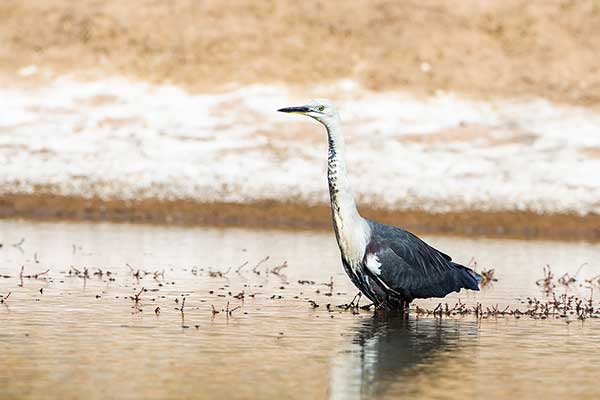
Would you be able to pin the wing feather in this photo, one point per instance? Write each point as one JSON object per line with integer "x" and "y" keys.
{"x": 414, "y": 269}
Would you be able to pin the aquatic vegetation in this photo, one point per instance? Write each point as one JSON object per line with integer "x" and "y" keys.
{"x": 557, "y": 307}
{"x": 554, "y": 305}
{"x": 4, "y": 298}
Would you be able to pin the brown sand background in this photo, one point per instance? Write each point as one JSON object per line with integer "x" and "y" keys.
{"x": 548, "y": 48}
{"x": 481, "y": 48}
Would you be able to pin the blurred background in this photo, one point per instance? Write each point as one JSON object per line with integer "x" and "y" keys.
{"x": 477, "y": 116}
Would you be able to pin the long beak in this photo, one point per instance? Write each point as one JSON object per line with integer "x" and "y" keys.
{"x": 295, "y": 110}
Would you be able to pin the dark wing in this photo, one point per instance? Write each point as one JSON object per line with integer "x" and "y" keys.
{"x": 412, "y": 268}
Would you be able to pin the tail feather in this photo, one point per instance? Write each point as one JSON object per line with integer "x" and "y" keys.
{"x": 470, "y": 279}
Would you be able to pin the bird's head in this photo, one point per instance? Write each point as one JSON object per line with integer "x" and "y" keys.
{"x": 322, "y": 110}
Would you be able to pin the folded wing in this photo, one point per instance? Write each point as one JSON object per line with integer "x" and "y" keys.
{"x": 405, "y": 264}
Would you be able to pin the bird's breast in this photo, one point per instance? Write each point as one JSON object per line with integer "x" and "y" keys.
{"x": 351, "y": 238}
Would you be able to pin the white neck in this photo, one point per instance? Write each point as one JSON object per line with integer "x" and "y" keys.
{"x": 351, "y": 230}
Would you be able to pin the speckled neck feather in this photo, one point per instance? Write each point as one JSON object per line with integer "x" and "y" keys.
{"x": 352, "y": 231}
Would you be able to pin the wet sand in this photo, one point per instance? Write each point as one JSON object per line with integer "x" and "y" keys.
{"x": 69, "y": 336}
{"x": 525, "y": 225}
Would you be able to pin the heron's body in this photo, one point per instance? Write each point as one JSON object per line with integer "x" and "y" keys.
{"x": 389, "y": 265}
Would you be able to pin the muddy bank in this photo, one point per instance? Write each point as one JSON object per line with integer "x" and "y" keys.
{"x": 295, "y": 215}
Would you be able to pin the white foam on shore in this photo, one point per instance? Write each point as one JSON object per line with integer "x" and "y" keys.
{"x": 121, "y": 139}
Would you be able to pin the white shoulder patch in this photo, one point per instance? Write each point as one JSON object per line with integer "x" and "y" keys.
{"x": 373, "y": 264}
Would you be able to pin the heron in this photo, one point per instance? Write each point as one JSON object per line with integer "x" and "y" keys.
{"x": 389, "y": 265}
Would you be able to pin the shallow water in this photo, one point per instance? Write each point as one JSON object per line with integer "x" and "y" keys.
{"x": 86, "y": 338}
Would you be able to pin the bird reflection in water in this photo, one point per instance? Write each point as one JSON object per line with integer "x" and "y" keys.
{"x": 388, "y": 349}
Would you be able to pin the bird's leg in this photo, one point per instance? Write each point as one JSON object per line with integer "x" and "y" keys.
{"x": 405, "y": 306}
{"x": 379, "y": 307}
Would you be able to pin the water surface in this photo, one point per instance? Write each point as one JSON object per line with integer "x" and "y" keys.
{"x": 66, "y": 336}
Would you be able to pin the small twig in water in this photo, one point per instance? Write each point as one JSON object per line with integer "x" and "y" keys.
{"x": 39, "y": 275}
{"x": 353, "y": 305}
{"x": 240, "y": 295}
{"x": 487, "y": 277}
{"x": 136, "y": 273}
{"x": 277, "y": 270}
{"x": 594, "y": 280}
{"x": 136, "y": 297}
{"x": 258, "y": 264}
{"x": 566, "y": 279}
{"x": 546, "y": 281}
{"x": 4, "y": 298}
{"x": 233, "y": 309}
{"x": 239, "y": 269}
{"x": 182, "y": 305}
{"x": 157, "y": 274}
{"x": 579, "y": 269}
{"x": 215, "y": 274}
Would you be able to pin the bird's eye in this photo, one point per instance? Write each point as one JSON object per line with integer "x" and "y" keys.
{"x": 321, "y": 108}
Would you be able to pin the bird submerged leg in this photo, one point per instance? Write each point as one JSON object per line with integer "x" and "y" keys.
{"x": 394, "y": 305}
{"x": 379, "y": 307}
{"x": 405, "y": 306}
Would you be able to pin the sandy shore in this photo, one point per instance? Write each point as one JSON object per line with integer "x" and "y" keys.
{"x": 477, "y": 47}
{"x": 477, "y": 117}
{"x": 444, "y": 163}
